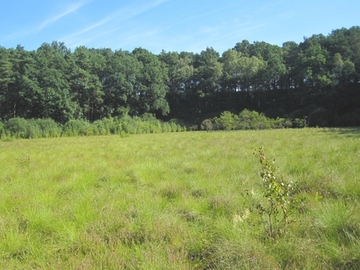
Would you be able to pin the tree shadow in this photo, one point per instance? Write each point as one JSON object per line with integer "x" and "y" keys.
{"x": 353, "y": 132}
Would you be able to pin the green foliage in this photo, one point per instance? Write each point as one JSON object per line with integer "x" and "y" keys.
{"x": 279, "y": 195}
{"x": 249, "y": 120}
{"x": 253, "y": 120}
{"x": 317, "y": 79}
{"x": 299, "y": 123}
{"x": 32, "y": 128}
{"x": 151, "y": 87}
{"x": 17, "y": 127}
{"x": 207, "y": 124}
{"x": 2, "y": 130}
{"x": 77, "y": 128}
{"x": 46, "y": 128}
{"x": 241, "y": 70}
{"x": 226, "y": 121}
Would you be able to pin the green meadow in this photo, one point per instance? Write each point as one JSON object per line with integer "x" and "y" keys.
{"x": 178, "y": 201}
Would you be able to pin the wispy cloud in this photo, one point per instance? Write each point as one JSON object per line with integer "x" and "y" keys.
{"x": 49, "y": 21}
{"x": 70, "y": 9}
{"x": 113, "y": 22}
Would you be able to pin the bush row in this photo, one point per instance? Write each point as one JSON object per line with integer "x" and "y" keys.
{"x": 249, "y": 120}
{"x": 45, "y": 128}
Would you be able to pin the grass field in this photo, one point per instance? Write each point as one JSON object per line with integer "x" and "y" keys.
{"x": 178, "y": 201}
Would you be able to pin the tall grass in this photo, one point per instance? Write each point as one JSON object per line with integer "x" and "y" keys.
{"x": 177, "y": 201}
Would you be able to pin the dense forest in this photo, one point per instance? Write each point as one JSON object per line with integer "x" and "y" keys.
{"x": 317, "y": 80}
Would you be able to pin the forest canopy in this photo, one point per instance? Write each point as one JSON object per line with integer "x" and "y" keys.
{"x": 317, "y": 79}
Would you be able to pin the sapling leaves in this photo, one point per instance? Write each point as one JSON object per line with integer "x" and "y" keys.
{"x": 278, "y": 192}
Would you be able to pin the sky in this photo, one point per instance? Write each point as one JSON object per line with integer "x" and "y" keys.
{"x": 170, "y": 25}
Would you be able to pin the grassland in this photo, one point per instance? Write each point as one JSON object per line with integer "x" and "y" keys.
{"x": 173, "y": 201}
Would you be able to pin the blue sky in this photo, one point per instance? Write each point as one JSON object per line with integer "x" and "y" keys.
{"x": 172, "y": 25}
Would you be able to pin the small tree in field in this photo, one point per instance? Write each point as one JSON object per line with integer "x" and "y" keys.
{"x": 226, "y": 121}
{"x": 278, "y": 195}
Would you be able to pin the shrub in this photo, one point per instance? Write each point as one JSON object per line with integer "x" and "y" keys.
{"x": 177, "y": 125}
{"x": 166, "y": 127}
{"x": 33, "y": 130}
{"x": 101, "y": 127}
{"x": 42, "y": 128}
{"x": 173, "y": 127}
{"x": 249, "y": 120}
{"x": 2, "y": 130}
{"x": 76, "y": 128}
{"x": 17, "y": 127}
{"x": 299, "y": 122}
{"x": 128, "y": 124}
{"x": 226, "y": 121}
{"x": 278, "y": 195}
{"x": 114, "y": 125}
{"x": 207, "y": 125}
{"x": 47, "y": 127}
{"x": 253, "y": 120}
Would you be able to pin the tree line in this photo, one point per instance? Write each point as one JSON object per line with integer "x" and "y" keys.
{"x": 317, "y": 80}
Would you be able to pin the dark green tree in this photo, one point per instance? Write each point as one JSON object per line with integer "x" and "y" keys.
{"x": 6, "y": 77}
{"x": 205, "y": 84}
{"x": 86, "y": 87}
{"x": 52, "y": 98}
{"x": 151, "y": 85}
{"x": 119, "y": 82}
{"x": 20, "y": 92}
{"x": 180, "y": 71}
{"x": 242, "y": 71}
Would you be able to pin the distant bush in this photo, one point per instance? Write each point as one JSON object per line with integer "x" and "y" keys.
{"x": 17, "y": 127}
{"x": 31, "y": 128}
{"x": 77, "y": 128}
{"x": 299, "y": 123}
{"x": 45, "y": 128}
{"x": 249, "y": 120}
{"x": 130, "y": 124}
{"x": 2, "y": 130}
{"x": 99, "y": 127}
{"x": 226, "y": 121}
{"x": 115, "y": 126}
{"x": 177, "y": 125}
{"x": 255, "y": 120}
{"x": 208, "y": 124}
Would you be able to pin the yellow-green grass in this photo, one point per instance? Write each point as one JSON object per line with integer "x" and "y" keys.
{"x": 173, "y": 201}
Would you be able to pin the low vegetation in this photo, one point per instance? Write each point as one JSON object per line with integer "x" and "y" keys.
{"x": 181, "y": 200}
{"x": 47, "y": 128}
{"x": 247, "y": 119}
{"x": 21, "y": 128}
